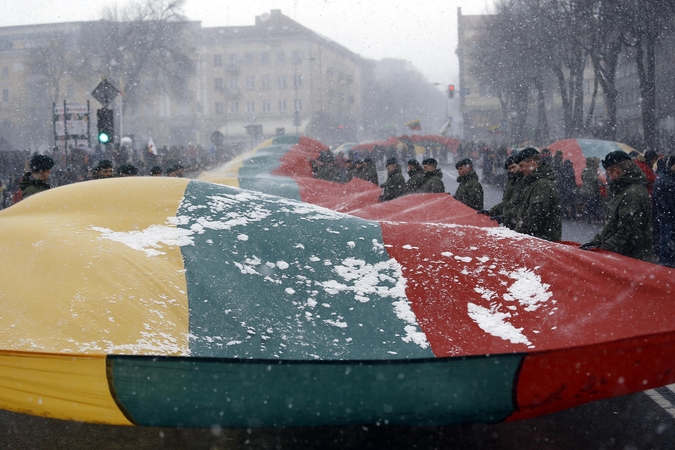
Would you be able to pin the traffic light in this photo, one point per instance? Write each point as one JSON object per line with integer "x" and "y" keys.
{"x": 105, "y": 119}
{"x": 451, "y": 91}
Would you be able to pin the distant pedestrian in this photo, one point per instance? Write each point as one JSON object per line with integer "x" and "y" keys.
{"x": 663, "y": 202}
{"x": 36, "y": 180}
{"x": 469, "y": 191}
{"x": 395, "y": 185}
{"x": 368, "y": 172}
{"x": 628, "y": 230}
{"x": 590, "y": 191}
{"x": 433, "y": 182}
{"x": 646, "y": 163}
{"x": 538, "y": 211}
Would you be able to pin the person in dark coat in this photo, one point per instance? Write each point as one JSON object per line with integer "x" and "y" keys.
{"x": 433, "y": 182}
{"x": 36, "y": 180}
{"x": 367, "y": 171}
{"x": 415, "y": 177}
{"x": 395, "y": 185}
{"x": 538, "y": 211}
{"x": 505, "y": 211}
{"x": 663, "y": 202}
{"x": 590, "y": 190}
{"x": 469, "y": 191}
{"x": 628, "y": 230}
{"x": 324, "y": 168}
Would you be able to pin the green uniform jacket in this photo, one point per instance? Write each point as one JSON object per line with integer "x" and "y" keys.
{"x": 628, "y": 230}
{"x": 394, "y": 186}
{"x": 30, "y": 186}
{"x": 415, "y": 181}
{"x": 469, "y": 191}
{"x": 538, "y": 211}
{"x": 508, "y": 207}
{"x": 433, "y": 182}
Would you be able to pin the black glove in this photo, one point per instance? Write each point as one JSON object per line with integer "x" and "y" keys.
{"x": 483, "y": 211}
{"x": 588, "y": 246}
{"x": 498, "y": 219}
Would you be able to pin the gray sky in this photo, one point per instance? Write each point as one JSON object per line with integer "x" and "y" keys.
{"x": 423, "y": 32}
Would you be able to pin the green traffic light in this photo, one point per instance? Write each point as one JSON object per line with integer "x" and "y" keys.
{"x": 103, "y": 138}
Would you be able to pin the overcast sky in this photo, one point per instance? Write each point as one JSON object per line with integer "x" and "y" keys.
{"x": 423, "y": 32}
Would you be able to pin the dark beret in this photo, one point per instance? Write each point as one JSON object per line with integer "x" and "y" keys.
{"x": 464, "y": 162}
{"x": 39, "y": 163}
{"x": 615, "y": 157}
{"x": 391, "y": 161}
{"x": 510, "y": 160}
{"x": 526, "y": 153}
{"x": 413, "y": 162}
{"x": 431, "y": 161}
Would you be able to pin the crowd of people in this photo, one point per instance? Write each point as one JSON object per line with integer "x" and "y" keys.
{"x": 25, "y": 174}
{"x": 636, "y": 206}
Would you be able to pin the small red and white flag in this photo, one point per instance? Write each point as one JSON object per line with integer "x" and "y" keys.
{"x": 151, "y": 147}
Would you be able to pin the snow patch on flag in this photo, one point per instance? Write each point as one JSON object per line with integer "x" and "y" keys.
{"x": 494, "y": 323}
{"x": 149, "y": 240}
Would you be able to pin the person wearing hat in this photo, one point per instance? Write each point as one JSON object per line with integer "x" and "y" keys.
{"x": 504, "y": 212}
{"x": 104, "y": 169}
{"x": 628, "y": 229}
{"x": 175, "y": 171}
{"x": 433, "y": 182}
{"x": 36, "y": 180}
{"x": 324, "y": 168}
{"x": 663, "y": 203}
{"x": 415, "y": 177}
{"x": 469, "y": 191}
{"x": 395, "y": 184}
{"x": 127, "y": 170}
{"x": 156, "y": 171}
{"x": 367, "y": 171}
{"x": 538, "y": 209}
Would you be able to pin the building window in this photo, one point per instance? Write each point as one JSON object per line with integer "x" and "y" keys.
{"x": 70, "y": 92}
{"x": 281, "y": 57}
{"x": 281, "y": 81}
{"x": 297, "y": 80}
{"x": 219, "y": 108}
{"x": 218, "y": 84}
{"x": 265, "y": 82}
{"x": 250, "y": 82}
{"x": 298, "y": 104}
{"x": 234, "y": 83}
{"x": 297, "y": 56}
{"x": 234, "y": 60}
{"x": 282, "y": 105}
{"x": 266, "y": 106}
{"x": 5, "y": 72}
{"x": 234, "y": 107}
{"x": 217, "y": 60}
{"x": 264, "y": 58}
{"x": 250, "y": 106}
{"x": 249, "y": 58}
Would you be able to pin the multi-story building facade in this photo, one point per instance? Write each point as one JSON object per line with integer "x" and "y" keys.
{"x": 276, "y": 74}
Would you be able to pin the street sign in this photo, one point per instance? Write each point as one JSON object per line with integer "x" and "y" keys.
{"x": 105, "y": 92}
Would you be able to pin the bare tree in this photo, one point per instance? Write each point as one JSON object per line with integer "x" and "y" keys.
{"x": 147, "y": 40}
{"x": 645, "y": 21}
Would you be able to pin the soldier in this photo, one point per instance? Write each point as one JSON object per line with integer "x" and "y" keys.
{"x": 469, "y": 191}
{"x": 37, "y": 179}
{"x": 395, "y": 184}
{"x": 538, "y": 211}
{"x": 416, "y": 177}
{"x": 433, "y": 182}
{"x": 628, "y": 230}
{"x": 505, "y": 211}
